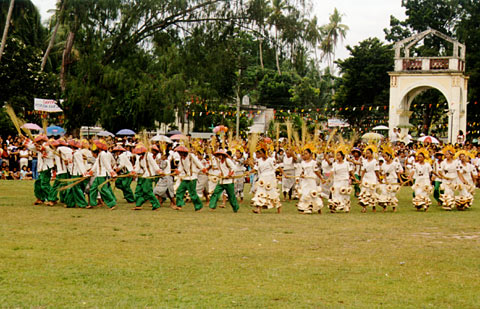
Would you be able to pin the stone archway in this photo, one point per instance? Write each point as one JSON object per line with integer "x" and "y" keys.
{"x": 412, "y": 76}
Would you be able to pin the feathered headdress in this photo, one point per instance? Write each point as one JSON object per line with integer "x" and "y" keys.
{"x": 311, "y": 145}
{"x": 387, "y": 149}
{"x": 372, "y": 148}
{"x": 235, "y": 146}
{"x": 464, "y": 152}
{"x": 449, "y": 148}
{"x": 342, "y": 148}
{"x": 262, "y": 145}
{"x": 423, "y": 151}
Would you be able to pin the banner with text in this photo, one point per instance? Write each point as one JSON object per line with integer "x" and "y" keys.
{"x": 49, "y": 106}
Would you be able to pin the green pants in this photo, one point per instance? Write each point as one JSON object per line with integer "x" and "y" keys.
{"x": 124, "y": 184}
{"x": 144, "y": 192}
{"x": 76, "y": 197}
{"x": 437, "y": 191}
{"x": 105, "y": 192}
{"x": 42, "y": 186}
{"x": 57, "y": 184}
{"x": 191, "y": 186}
{"x": 356, "y": 186}
{"x": 217, "y": 193}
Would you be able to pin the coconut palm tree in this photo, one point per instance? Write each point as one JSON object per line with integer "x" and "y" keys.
{"x": 333, "y": 32}
{"x": 276, "y": 20}
{"x": 58, "y": 17}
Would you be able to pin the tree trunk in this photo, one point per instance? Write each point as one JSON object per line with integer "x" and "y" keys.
{"x": 52, "y": 39}
{"x": 261, "y": 53}
{"x": 277, "y": 61}
{"x": 66, "y": 60}
{"x": 7, "y": 25}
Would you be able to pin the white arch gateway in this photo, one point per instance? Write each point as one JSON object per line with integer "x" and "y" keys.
{"x": 414, "y": 75}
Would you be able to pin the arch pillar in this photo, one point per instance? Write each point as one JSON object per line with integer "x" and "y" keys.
{"x": 405, "y": 86}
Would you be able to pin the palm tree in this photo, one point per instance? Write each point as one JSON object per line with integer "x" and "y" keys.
{"x": 313, "y": 34}
{"x": 260, "y": 10}
{"x": 59, "y": 14}
{"x": 7, "y": 25}
{"x": 276, "y": 20}
{"x": 333, "y": 31}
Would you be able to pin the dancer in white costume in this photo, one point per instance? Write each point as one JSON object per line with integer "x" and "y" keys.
{"x": 288, "y": 179}
{"x": 310, "y": 200}
{"x": 266, "y": 193}
{"x": 448, "y": 173}
{"x": 342, "y": 172}
{"x": 421, "y": 174}
{"x": 390, "y": 171}
{"x": 326, "y": 165}
{"x": 369, "y": 175}
{"x": 467, "y": 174}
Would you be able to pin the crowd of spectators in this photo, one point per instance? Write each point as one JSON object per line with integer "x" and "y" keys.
{"x": 16, "y": 162}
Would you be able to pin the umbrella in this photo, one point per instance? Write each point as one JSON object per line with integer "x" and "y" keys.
{"x": 161, "y": 138}
{"x": 32, "y": 126}
{"x": 177, "y": 137}
{"x": 55, "y": 130}
{"x": 105, "y": 133}
{"x": 382, "y": 127}
{"x": 174, "y": 132}
{"x": 125, "y": 132}
{"x": 428, "y": 139}
{"x": 220, "y": 128}
{"x": 372, "y": 136}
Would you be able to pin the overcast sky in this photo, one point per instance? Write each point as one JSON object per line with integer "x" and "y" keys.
{"x": 365, "y": 18}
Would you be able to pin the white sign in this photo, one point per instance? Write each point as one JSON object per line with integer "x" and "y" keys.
{"x": 246, "y": 100}
{"x": 337, "y": 123}
{"x": 49, "y": 106}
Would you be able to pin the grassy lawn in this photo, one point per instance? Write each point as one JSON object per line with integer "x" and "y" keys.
{"x": 56, "y": 257}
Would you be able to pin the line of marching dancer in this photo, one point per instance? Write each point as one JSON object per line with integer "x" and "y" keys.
{"x": 86, "y": 173}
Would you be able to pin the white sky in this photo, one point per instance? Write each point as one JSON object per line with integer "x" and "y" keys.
{"x": 365, "y": 18}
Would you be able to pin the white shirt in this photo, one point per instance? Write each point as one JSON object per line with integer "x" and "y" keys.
{"x": 225, "y": 168}
{"x": 390, "y": 171}
{"x": 124, "y": 163}
{"x": 147, "y": 165}
{"x": 79, "y": 167}
{"x": 103, "y": 165}
{"x": 266, "y": 168}
{"x": 186, "y": 167}
{"x": 326, "y": 168}
{"x": 370, "y": 167}
{"x": 341, "y": 171}
{"x": 65, "y": 155}
{"x": 43, "y": 163}
{"x": 288, "y": 164}
{"x": 422, "y": 172}
{"x": 449, "y": 169}
{"x": 467, "y": 170}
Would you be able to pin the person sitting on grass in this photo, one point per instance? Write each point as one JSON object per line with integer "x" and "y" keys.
{"x": 25, "y": 174}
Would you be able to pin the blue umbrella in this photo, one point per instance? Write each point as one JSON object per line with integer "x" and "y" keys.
{"x": 105, "y": 134}
{"x": 55, "y": 131}
{"x": 125, "y": 132}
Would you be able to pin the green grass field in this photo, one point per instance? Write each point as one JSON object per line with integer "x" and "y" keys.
{"x": 56, "y": 257}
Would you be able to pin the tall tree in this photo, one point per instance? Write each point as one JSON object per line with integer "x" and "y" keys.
{"x": 58, "y": 17}
{"x": 333, "y": 32}
{"x": 365, "y": 81}
{"x": 276, "y": 20}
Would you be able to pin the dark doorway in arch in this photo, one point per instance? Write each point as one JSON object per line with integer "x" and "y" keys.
{"x": 429, "y": 114}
